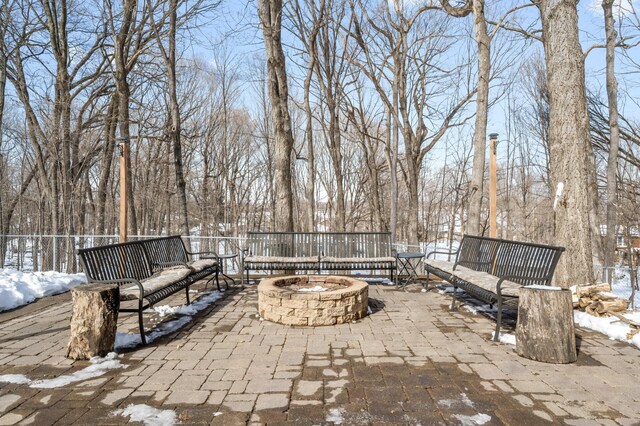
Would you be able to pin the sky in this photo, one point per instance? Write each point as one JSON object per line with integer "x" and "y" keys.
{"x": 238, "y": 28}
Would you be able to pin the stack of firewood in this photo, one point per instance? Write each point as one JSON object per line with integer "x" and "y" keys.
{"x": 597, "y": 300}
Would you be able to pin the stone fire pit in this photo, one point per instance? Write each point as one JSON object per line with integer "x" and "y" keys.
{"x": 312, "y": 300}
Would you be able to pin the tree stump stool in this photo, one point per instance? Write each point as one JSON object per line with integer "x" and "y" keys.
{"x": 94, "y": 319}
{"x": 545, "y": 330}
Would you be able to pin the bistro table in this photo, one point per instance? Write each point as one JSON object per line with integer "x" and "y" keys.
{"x": 406, "y": 263}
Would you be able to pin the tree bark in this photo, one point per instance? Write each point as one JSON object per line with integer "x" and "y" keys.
{"x": 270, "y": 12}
{"x": 569, "y": 140}
{"x": 93, "y": 321}
{"x": 545, "y": 331}
{"x": 614, "y": 140}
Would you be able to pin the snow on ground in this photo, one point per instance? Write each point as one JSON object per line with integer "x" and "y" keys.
{"x": 336, "y": 415}
{"x": 610, "y": 326}
{"x": 478, "y": 419}
{"x": 98, "y": 367}
{"x": 314, "y": 289}
{"x": 509, "y": 339}
{"x": 148, "y": 415}
{"x": 19, "y": 288}
{"x": 125, "y": 340}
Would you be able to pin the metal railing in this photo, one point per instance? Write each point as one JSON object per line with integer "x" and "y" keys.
{"x": 37, "y": 253}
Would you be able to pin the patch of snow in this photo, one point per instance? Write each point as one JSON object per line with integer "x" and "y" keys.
{"x": 18, "y": 379}
{"x": 148, "y": 415}
{"x": 98, "y": 367}
{"x": 315, "y": 288}
{"x": 217, "y": 413}
{"x": 126, "y": 340}
{"x": 336, "y": 416}
{"x": 384, "y": 281}
{"x": 610, "y": 326}
{"x": 19, "y": 288}
{"x": 544, "y": 287}
{"x": 475, "y": 309}
{"x": 463, "y": 401}
{"x": 369, "y": 311}
{"x": 509, "y": 339}
{"x": 478, "y": 419}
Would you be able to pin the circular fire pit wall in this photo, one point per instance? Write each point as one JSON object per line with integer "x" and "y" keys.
{"x": 312, "y": 300}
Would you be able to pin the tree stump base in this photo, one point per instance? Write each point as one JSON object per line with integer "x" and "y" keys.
{"x": 94, "y": 319}
{"x": 545, "y": 330}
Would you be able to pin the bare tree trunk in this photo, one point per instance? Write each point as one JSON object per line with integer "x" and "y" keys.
{"x": 569, "y": 140}
{"x": 614, "y": 141}
{"x": 122, "y": 87}
{"x": 392, "y": 159}
{"x": 483, "y": 42}
{"x": 111, "y": 122}
{"x": 270, "y": 12}
{"x": 310, "y": 189}
{"x": 174, "y": 109}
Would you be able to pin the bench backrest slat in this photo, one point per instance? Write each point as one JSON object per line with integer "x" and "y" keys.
{"x": 478, "y": 253}
{"x": 115, "y": 261}
{"x": 313, "y": 244}
{"x": 165, "y": 249}
{"x": 530, "y": 263}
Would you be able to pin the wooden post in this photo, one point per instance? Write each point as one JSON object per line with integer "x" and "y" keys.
{"x": 124, "y": 166}
{"x": 493, "y": 186}
{"x": 93, "y": 321}
{"x": 545, "y": 330}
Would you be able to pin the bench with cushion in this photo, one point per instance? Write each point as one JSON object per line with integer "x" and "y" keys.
{"x": 493, "y": 270}
{"x": 147, "y": 271}
{"x": 318, "y": 251}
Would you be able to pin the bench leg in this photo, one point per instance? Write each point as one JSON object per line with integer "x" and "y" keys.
{"x": 496, "y": 336}
{"x": 187, "y": 294}
{"x": 141, "y": 323}
{"x": 453, "y": 299}
{"x": 218, "y": 281}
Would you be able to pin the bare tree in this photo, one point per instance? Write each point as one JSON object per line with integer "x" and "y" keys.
{"x": 614, "y": 132}
{"x": 270, "y": 12}
{"x": 403, "y": 45}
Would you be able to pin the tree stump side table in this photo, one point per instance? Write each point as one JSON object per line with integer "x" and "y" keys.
{"x": 545, "y": 330}
{"x": 94, "y": 320}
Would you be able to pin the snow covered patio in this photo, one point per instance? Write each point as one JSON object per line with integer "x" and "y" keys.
{"x": 412, "y": 361}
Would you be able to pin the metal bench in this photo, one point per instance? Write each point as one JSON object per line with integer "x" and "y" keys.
{"x": 318, "y": 251}
{"x": 147, "y": 271}
{"x": 493, "y": 270}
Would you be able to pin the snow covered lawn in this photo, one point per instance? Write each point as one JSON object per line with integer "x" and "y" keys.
{"x": 19, "y": 288}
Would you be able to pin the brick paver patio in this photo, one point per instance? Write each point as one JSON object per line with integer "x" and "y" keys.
{"x": 412, "y": 361}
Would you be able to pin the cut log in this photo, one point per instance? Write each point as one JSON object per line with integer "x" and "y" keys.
{"x": 607, "y": 306}
{"x": 545, "y": 330}
{"x": 587, "y": 289}
{"x": 93, "y": 321}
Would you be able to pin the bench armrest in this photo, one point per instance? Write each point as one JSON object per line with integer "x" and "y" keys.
{"x": 120, "y": 281}
{"x": 441, "y": 252}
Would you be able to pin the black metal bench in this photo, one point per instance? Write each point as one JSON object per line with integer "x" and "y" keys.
{"x": 493, "y": 270}
{"x": 147, "y": 271}
{"x": 318, "y": 251}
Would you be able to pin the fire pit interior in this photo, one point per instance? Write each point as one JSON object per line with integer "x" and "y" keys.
{"x": 312, "y": 300}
